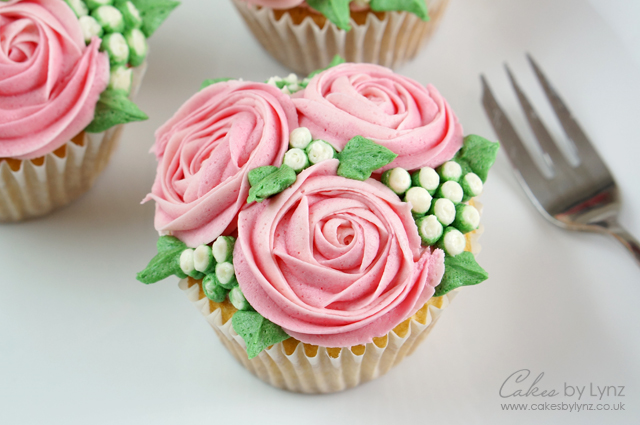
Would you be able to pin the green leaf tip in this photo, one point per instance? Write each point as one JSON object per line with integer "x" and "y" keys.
{"x": 417, "y": 7}
{"x": 113, "y": 108}
{"x": 166, "y": 263}
{"x": 361, "y": 156}
{"x": 258, "y": 333}
{"x": 154, "y": 13}
{"x": 257, "y": 174}
{"x": 168, "y": 243}
{"x": 211, "y": 81}
{"x": 461, "y": 270}
{"x": 477, "y": 155}
{"x": 337, "y": 60}
{"x": 337, "y": 11}
{"x": 271, "y": 183}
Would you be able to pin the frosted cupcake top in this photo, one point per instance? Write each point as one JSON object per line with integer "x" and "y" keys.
{"x": 50, "y": 80}
{"x": 338, "y": 11}
{"x": 318, "y": 214}
{"x": 66, "y": 67}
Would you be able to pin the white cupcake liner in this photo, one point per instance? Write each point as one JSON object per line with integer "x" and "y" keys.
{"x": 306, "y": 47}
{"x": 34, "y": 190}
{"x": 317, "y": 371}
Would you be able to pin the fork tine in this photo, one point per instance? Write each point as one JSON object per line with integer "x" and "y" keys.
{"x": 549, "y": 147}
{"x": 585, "y": 150}
{"x": 529, "y": 176}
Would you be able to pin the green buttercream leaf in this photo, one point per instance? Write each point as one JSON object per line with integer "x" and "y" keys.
{"x": 113, "y": 108}
{"x": 477, "y": 155}
{"x": 361, "y": 156}
{"x": 258, "y": 333}
{"x": 153, "y": 13}
{"x": 169, "y": 243}
{"x": 260, "y": 173}
{"x": 272, "y": 184}
{"x": 337, "y": 11}
{"x": 166, "y": 263}
{"x": 417, "y": 7}
{"x": 461, "y": 270}
{"x": 210, "y": 81}
{"x": 337, "y": 60}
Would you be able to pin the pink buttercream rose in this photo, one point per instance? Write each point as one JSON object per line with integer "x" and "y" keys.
{"x": 333, "y": 261}
{"x": 349, "y": 100}
{"x": 50, "y": 81}
{"x": 206, "y": 150}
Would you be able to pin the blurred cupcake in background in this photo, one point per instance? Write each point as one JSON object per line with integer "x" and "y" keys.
{"x": 306, "y": 35}
{"x": 67, "y": 72}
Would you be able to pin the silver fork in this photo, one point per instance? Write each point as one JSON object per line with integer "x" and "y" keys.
{"x": 582, "y": 197}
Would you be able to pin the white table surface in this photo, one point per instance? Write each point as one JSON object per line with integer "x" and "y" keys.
{"x": 82, "y": 342}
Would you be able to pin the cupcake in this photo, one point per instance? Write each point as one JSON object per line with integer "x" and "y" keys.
{"x": 67, "y": 72}
{"x": 305, "y": 35}
{"x": 320, "y": 226}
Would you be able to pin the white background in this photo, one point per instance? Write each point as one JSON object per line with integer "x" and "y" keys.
{"x": 82, "y": 342}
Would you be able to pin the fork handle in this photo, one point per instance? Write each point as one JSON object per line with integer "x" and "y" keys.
{"x": 612, "y": 227}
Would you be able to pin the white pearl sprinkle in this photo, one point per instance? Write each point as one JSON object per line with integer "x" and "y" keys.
{"x": 300, "y": 138}
{"x": 186, "y": 261}
{"x": 454, "y": 242}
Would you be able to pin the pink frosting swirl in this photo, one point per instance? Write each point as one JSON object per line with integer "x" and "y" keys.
{"x": 50, "y": 81}
{"x": 368, "y": 100}
{"x": 333, "y": 261}
{"x": 206, "y": 150}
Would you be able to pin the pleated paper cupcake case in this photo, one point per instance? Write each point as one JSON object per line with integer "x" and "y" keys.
{"x": 32, "y": 188}
{"x": 311, "y": 369}
{"x": 306, "y": 47}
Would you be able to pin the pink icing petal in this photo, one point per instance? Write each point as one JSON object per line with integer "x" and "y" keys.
{"x": 363, "y": 293}
{"x": 331, "y": 238}
{"x": 344, "y": 249}
{"x": 296, "y": 239}
{"x": 430, "y": 269}
{"x": 296, "y": 269}
{"x": 371, "y": 101}
{"x": 357, "y": 255}
{"x": 313, "y": 284}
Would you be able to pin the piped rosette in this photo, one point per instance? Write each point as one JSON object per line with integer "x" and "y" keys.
{"x": 67, "y": 72}
{"x": 206, "y": 150}
{"x": 334, "y": 261}
{"x": 413, "y": 121}
{"x": 50, "y": 81}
